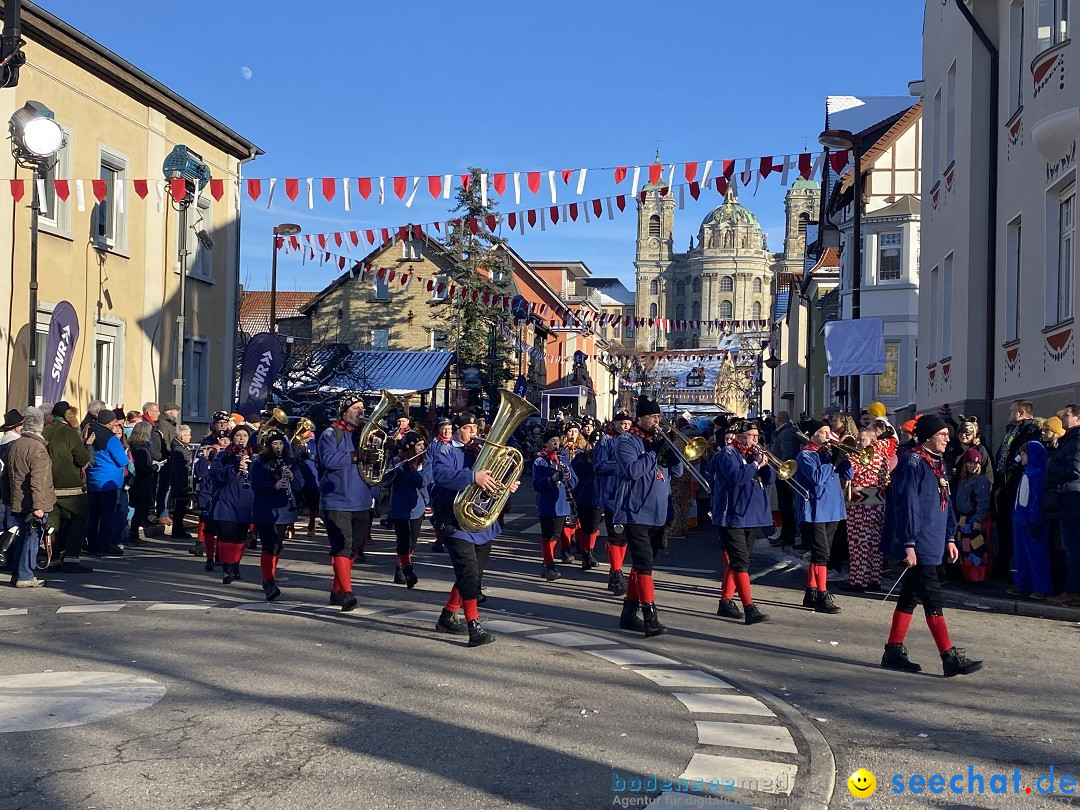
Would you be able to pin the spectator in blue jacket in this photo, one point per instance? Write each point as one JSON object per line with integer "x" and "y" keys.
{"x": 647, "y": 463}
{"x": 822, "y": 466}
{"x": 104, "y": 480}
{"x": 553, "y": 482}
{"x": 740, "y": 510}
{"x": 233, "y": 501}
{"x": 276, "y": 482}
{"x": 410, "y": 482}
{"x": 606, "y": 469}
{"x": 1031, "y": 533}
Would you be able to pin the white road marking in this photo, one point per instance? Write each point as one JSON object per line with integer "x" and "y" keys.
{"x": 267, "y": 607}
{"x": 720, "y": 703}
{"x": 571, "y": 639}
{"x": 89, "y": 608}
{"x": 683, "y": 678}
{"x": 756, "y": 775}
{"x": 177, "y": 606}
{"x": 746, "y": 735}
{"x": 42, "y": 700}
{"x": 360, "y": 610}
{"x": 14, "y": 611}
{"x": 507, "y": 626}
{"x": 425, "y": 616}
{"x": 623, "y": 657}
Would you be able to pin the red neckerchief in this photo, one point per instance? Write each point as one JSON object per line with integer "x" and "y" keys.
{"x": 341, "y": 424}
{"x": 747, "y": 451}
{"x": 938, "y": 466}
{"x": 551, "y": 455}
{"x": 645, "y": 437}
{"x": 813, "y": 447}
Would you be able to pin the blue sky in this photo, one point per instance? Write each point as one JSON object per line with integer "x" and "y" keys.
{"x": 347, "y": 89}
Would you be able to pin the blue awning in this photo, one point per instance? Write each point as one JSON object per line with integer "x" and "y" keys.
{"x": 399, "y": 372}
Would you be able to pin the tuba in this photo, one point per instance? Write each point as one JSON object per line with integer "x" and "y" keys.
{"x": 474, "y": 508}
{"x": 373, "y": 437}
{"x": 305, "y": 425}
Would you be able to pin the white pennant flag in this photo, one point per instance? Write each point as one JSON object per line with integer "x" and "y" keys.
{"x": 483, "y": 190}
{"x": 670, "y": 175}
{"x": 634, "y": 181}
{"x": 586, "y": 208}
{"x": 551, "y": 185}
{"x": 270, "y": 196}
{"x": 160, "y": 189}
{"x": 415, "y": 186}
{"x": 543, "y": 219}
{"x": 310, "y": 195}
{"x": 789, "y": 164}
{"x": 521, "y": 223}
{"x": 382, "y": 190}
{"x": 682, "y": 196}
{"x": 345, "y": 193}
{"x": 517, "y": 188}
{"x": 581, "y": 181}
{"x": 118, "y": 190}
{"x": 80, "y": 196}
{"x": 43, "y": 201}
{"x": 705, "y": 174}
{"x": 610, "y": 213}
{"x": 815, "y": 170}
{"x": 448, "y": 180}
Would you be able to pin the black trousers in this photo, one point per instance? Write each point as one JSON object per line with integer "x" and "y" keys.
{"x": 922, "y": 583}
{"x": 68, "y": 517}
{"x": 613, "y": 538}
{"x": 738, "y": 543}
{"x": 271, "y": 537}
{"x": 163, "y": 482}
{"x": 551, "y": 526}
{"x": 229, "y": 532}
{"x": 644, "y": 543}
{"x": 590, "y": 517}
{"x": 819, "y": 537}
{"x": 785, "y": 499}
{"x": 346, "y": 531}
{"x": 469, "y": 561}
{"x": 1003, "y": 531}
{"x": 407, "y": 532}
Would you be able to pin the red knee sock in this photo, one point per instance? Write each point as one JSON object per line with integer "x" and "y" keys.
{"x": 567, "y": 536}
{"x": 211, "y": 546}
{"x": 231, "y": 553}
{"x": 646, "y": 594}
{"x": 200, "y": 532}
{"x": 822, "y": 577}
{"x": 632, "y": 592}
{"x": 404, "y": 560}
{"x": 471, "y": 611}
{"x": 811, "y": 576}
{"x": 453, "y": 604}
{"x": 547, "y": 549}
{"x": 342, "y": 574}
{"x": 742, "y": 585}
{"x": 268, "y": 564}
{"x": 900, "y": 624}
{"x": 616, "y": 555}
{"x": 593, "y": 537}
{"x": 727, "y": 587}
{"x": 940, "y": 632}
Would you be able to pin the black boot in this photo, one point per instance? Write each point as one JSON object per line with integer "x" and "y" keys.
{"x": 895, "y": 657}
{"x": 617, "y": 582}
{"x": 227, "y": 574}
{"x": 550, "y": 572}
{"x": 399, "y": 576}
{"x": 588, "y": 561}
{"x": 809, "y": 597}
{"x": 956, "y": 662}
{"x": 348, "y": 602}
{"x": 729, "y": 609}
{"x": 271, "y": 590}
{"x": 652, "y": 621}
{"x": 566, "y": 556}
{"x": 825, "y": 603}
{"x": 754, "y": 615}
{"x": 478, "y": 636}
{"x": 236, "y": 571}
{"x": 209, "y": 566}
{"x": 629, "y": 619}
{"x": 410, "y": 577}
{"x": 449, "y": 623}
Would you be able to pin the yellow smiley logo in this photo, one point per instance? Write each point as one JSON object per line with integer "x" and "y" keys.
{"x": 862, "y": 784}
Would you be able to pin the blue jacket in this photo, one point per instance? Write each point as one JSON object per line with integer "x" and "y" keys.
{"x": 740, "y": 494}
{"x": 232, "y": 501}
{"x": 913, "y": 514}
{"x": 644, "y": 494}
{"x": 1033, "y": 480}
{"x": 451, "y": 472}
{"x": 110, "y": 460}
{"x": 204, "y": 487}
{"x": 409, "y": 489}
{"x": 606, "y": 470}
{"x": 551, "y": 481}
{"x": 271, "y": 505}
{"x": 822, "y": 481}
{"x": 587, "y": 491}
{"x": 340, "y": 486}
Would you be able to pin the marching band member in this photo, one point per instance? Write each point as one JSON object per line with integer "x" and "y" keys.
{"x": 232, "y": 501}
{"x": 204, "y": 494}
{"x": 303, "y": 450}
{"x": 920, "y": 527}
{"x": 740, "y": 509}
{"x": 647, "y": 461}
{"x": 410, "y": 481}
{"x": 606, "y": 468}
{"x": 570, "y": 448}
{"x": 587, "y": 498}
{"x": 452, "y": 472}
{"x": 822, "y": 465}
{"x": 276, "y": 481}
{"x": 444, "y": 434}
{"x": 553, "y": 481}
{"x": 344, "y": 497}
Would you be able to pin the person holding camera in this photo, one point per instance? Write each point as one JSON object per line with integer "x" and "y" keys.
{"x": 29, "y": 493}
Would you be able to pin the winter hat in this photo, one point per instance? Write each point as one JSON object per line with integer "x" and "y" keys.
{"x": 443, "y": 420}
{"x": 928, "y": 425}
{"x": 274, "y": 435}
{"x": 745, "y": 426}
{"x": 60, "y": 408}
{"x": 877, "y": 410}
{"x": 971, "y": 456}
{"x": 945, "y": 410}
{"x": 12, "y": 419}
{"x": 622, "y": 415}
{"x": 106, "y": 416}
{"x": 1053, "y": 424}
{"x": 812, "y": 426}
{"x": 409, "y": 440}
{"x": 552, "y": 434}
{"x": 572, "y": 426}
{"x": 347, "y": 401}
{"x": 221, "y": 416}
{"x": 248, "y": 430}
{"x": 170, "y": 406}
{"x": 463, "y": 419}
{"x": 647, "y": 407}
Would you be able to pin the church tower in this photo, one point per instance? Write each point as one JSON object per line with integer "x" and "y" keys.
{"x": 653, "y": 257}
{"x": 801, "y": 206}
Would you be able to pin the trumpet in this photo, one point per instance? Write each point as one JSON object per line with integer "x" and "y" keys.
{"x": 690, "y": 449}
{"x": 785, "y": 471}
{"x": 849, "y": 447}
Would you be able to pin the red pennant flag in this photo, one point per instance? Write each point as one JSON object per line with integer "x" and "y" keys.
{"x": 691, "y": 172}
{"x": 100, "y": 190}
{"x": 729, "y": 168}
{"x": 434, "y": 185}
{"x": 178, "y": 186}
{"x": 573, "y": 211}
{"x": 474, "y": 225}
{"x": 695, "y": 190}
{"x": 765, "y": 166}
{"x": 354, "y": 237}
{"x": 254, "y": 188}
{"x": 511, "y": 220}
{"x": 499, "y": 182}
{"x": 385, "y": 235}
{"x": 429, "y": 285}
{"x": 466, "y": 181}
{"x": 322, "y": 240}
{"x": 363, "y": 185}
{"x": 531, "y": 216}
{"x": 566, "y": 175}
{"x": 533, "y": 179}
{"x": 63, "y": 190}
{"x": 337, "y": 239}
{"x": 390, "y": 276}
{"x": 217, "y": 189}
{"x": 554, "y": 214}
{"x": 402, "y": 233}
{"x": 620, "y": 201}
{"x": 597, "y": 207}
{"x": 654, "y": 173}
{"x": 292, "y": 187}
{"x": 401, "y": 185}
{"x": 722, "y": 184}
{"x": 370, "y": 236}
{"x": 806, "y": 165}
{"x": 620, "y": 174}
{"x": 491, "y": 222}
{"x": 18, "y": 189}
{"x": 294, "y": 242}
{"x": 838, "y": 160}
{"x": 329, "y": 188}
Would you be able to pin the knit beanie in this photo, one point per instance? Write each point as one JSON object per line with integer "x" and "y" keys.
{"x": 928, "y": 425}
{"x": 647, "y": 407}
{"x": 877, "y": 410}
{"x": 1053, "y": 424}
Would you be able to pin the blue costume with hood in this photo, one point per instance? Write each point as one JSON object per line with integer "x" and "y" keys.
{"x": 1031, "y": 534}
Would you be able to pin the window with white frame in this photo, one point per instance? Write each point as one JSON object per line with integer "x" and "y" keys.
{"x": 1013, "y": 246}
{"x": 890, "y": 256}
{"x": 1052, "y": 23}
{"x": 197, "y": 378}
{"x": 54, "y": 211}
{"x": 1060, "y": 282}
{"x": 1016, "y": 55}
{"x": 412, "y": 250}
{"x": 950, "y": 115}
{"x": 438, "y": 292}
{"x": 382, "y": 288}
{"x": 41, "y": 340}
{"x": 199, "y": 258}
{"x": 438, "y": 339}
{"x": 935, "y": 146}
{"x": 108, "y": 362}
{"x": 380, "y": 338}
{"x": 726, "y": 310}
{"x": 110, "y": 230}
{"x": 727, "y": 284}
{"x": 946, "y": 306}
{"x": 888, "y": 382}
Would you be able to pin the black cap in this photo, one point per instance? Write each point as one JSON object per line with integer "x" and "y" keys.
{"x": 61, "y": 408}
{"x": 552, "y": 434}
{"x": 622, "y": 415}
{"x": 274, "y": 435}
{"x": 347, "y": 401}
{"x": 572, "y": 425}
{"x": 12, "y": 419}
{"x": 222, "y": 416}
{"x": 238, "y": 428}
{"x": 812, "y": 426}
{"x": 409, "y": 440}
{"x": 647, "y": 407}
{"x": 745, "y": 426}
{"x": 443, "y": 420}
{"x": 106, "y": 416}
{"x": 928, "y": 425}
{"x": 463, "y": 419}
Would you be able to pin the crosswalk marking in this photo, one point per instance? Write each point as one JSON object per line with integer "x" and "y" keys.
{"x": 683, "y": 678}
{"x": 508, "y": 626}
{"x": 630, "y": 655}
{"x": 746, "y": 735}
{"x": 571, "y": 639}
{"x": 89, "y": 608}
{"x": 760, "y": 776}
{"x": 719, "y": 703}
{"x": 179, "y": 606}
{"x": 14, "y": 611}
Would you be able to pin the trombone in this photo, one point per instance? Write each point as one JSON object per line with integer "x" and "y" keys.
{"x": 785, "y": 471}
{"x": 850, "y": 448}
{"x": 690, "y": 449}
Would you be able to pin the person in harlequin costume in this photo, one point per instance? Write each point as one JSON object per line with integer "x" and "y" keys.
{"x": 553, "y": 480}
{"x": 866, "y": 512}
{"x": 822, "y": 465}
{"x": 587, "y": 497}
{"x": 647, "y": 462}
{"x": 740, "y": 481}
{"x": 410, "y": 482}
{"x": 344, "y": 497}
{"x": 451, "y": 472}
{"x": 444, "y": 434}
{"x": 276, "y": 480}
{"x": 606, "y": 469}
{"x": 920, "y": 529}
{"x": 232, "y": 501}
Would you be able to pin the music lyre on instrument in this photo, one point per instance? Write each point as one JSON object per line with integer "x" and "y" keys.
{"x": 373, "y": 436}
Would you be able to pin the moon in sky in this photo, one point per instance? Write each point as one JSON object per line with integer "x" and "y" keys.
{"x": 245, "y": 72}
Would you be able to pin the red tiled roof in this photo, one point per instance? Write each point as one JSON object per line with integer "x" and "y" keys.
{"x": 255, "y": 308}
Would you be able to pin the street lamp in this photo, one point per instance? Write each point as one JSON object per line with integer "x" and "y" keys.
{"x": 36, "y": 140}
{"x": 842, "y": 139}
{"x": 280, "y": 232}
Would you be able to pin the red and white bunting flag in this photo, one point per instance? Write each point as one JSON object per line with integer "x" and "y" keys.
{"x": 691, "y": 172}
{"x": 434, "y": 184}
{"x": 217, "y": 189}
{"x": 254, "y": 188}
{"x": 18, "y": 189}
{"x": 581, "y": 181}
{"x": 729, "y": 168}
{"x": 655, "y": 169}
{"x": 498, "y": 182}
{"x": 329, "y": 188}
{"x": 363, "y": 186}
{"x": 838, "y": 161}
{"x": 292, "y": 188}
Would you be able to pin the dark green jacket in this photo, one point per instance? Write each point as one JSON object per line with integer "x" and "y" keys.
{"x": 69, "y": 455}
